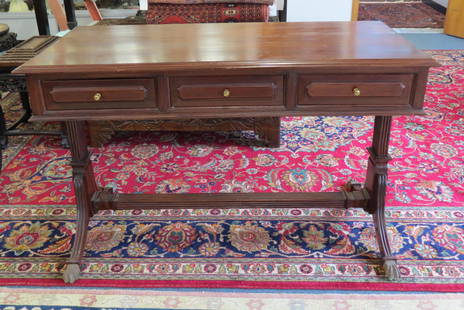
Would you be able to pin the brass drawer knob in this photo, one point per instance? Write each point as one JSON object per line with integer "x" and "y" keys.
{"x": 356, "y": 92}
{"x": 97, "y": 97}
{"x": 226, "y": 92}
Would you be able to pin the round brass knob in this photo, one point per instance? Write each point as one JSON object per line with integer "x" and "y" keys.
{"x": 226, "y": 92}
{"x": 356, "y": 92}
{"x": 97, "y": 97}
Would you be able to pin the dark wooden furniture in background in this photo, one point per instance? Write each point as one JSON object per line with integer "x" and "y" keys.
{"x": 7, "y": 38}
{"x": 70, "y": 13}
{"x": 282, "y": 14}
{"x": 10, "y": 82}
{"x": 41, "y": 15}
{"x": 198, "y": 70}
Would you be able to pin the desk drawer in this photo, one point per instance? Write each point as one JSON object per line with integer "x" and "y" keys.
{"x": 215, "y": 91}
{"x": 99, "y": 94}
{"x": 355, "y": 90}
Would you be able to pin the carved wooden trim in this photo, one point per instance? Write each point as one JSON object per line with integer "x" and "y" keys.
{"x": 106, "y": 199}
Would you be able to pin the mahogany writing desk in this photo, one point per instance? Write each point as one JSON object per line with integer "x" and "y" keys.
{"x": 227, "y": 70}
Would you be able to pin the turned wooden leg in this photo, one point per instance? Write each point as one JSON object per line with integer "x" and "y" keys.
{"x": 268, "y": 129}
{"x": 376, "y": 183}
{"x": 84, "y": 187}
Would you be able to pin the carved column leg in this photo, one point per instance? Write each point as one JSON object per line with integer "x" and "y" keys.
{"x": 84, "y": 187}
{"x": 376, "y": 183}
{"x": 268, "y": 129}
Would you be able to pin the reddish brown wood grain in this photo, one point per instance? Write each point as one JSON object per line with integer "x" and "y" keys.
{"x": 198, "y": 91}
{"x": 161, "y": 48}
{"x": 366, "y": 89}
{"x": 267, "y": 68}
{"x": 117, "y": 94}
{"x": 379, "y": 90}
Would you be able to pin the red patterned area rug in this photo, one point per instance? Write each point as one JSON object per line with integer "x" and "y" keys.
{"x": 240, "y": 248}
{"x": 402, "y": 15}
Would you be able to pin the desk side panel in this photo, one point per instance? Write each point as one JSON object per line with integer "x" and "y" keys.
{"x": 419, "y": 88}
{"x": 36, "y": 98}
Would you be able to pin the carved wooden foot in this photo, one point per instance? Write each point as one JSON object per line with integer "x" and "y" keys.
{"x": 390, "y": 266}
{"x": 389, "y": 261}
{"x": 71, "y": 273}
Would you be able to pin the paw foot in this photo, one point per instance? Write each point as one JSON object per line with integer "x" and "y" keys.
{"x": 391, "y": 270}
{"x": 71, "y": 273}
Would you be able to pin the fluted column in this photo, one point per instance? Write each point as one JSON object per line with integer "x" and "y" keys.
{"x": 84, "y": 187}
{"x": 376, "y": 184}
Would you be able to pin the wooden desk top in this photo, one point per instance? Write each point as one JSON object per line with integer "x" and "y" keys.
{"x": 227, "y": 70}
{"x": 158, "y": 48}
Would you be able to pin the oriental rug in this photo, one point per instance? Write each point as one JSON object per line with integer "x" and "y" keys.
{"x": 402, "y": 15}
{"x": 241, "y": 248}
{"x": 14, "y": 298}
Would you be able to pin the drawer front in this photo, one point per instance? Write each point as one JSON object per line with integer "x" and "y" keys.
{"x": 355, "y": 90}
{"x": 215, "y": 91}
{"x": 99, "y": 94}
